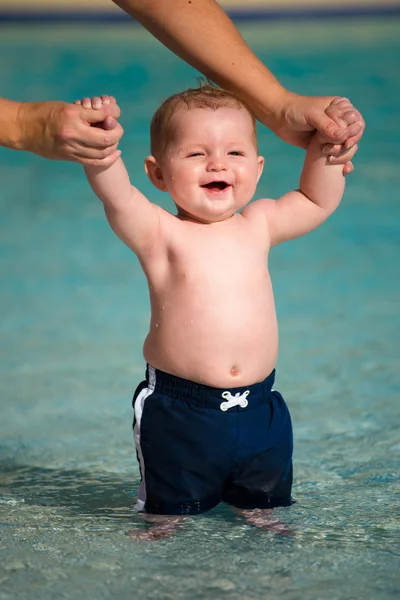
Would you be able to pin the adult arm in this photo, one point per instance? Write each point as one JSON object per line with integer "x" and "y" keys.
{"x": 62, "y": 131}
{"x": 202, "y": 34}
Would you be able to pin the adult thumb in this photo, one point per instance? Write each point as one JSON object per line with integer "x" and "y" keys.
{"x": 332, "y": 131}
{"x": 109, "y": 123}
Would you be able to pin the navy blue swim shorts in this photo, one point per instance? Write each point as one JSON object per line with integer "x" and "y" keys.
{"x": 198, "y": 445}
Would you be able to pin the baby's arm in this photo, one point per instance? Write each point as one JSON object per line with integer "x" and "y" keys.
{"x": 132, "y": 217}
{"x": 319, "y": 194}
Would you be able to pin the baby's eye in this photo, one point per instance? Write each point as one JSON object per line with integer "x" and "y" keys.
{"x": 236, "y": 153}
{"x": 195, "y": 154}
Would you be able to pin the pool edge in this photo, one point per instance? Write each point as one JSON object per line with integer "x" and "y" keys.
{"x": 53, "y": 16}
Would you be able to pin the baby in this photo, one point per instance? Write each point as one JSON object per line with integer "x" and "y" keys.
{"x": 208, "y": 425}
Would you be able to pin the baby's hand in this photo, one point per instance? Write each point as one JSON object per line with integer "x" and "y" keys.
{"x": 108, "y": 124}
{"x": 349, "y": 119}
{"x": 97, "y": 103}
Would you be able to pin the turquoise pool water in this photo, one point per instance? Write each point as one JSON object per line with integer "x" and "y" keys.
{"x": 74, "y": 313}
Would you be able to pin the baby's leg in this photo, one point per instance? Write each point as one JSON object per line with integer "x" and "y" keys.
{"x": 262, "y": 480}
{"x": 160, "y": 527}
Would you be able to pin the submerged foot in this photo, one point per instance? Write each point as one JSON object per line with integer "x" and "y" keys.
{"x": 160, "y": 527}
{"x": 153, "y": 533}
{"x": 264, "y": 519}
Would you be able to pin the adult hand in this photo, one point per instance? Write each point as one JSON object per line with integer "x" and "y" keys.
{"x": 339, "y": 123}
{"x": 348, "y": 119}
{"x": 62, "y": 131}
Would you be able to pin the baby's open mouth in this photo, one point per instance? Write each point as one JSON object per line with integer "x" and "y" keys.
{"x": 216, "y": 185}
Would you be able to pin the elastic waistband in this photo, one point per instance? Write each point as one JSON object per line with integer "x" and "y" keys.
{"x": 203, "y": 395}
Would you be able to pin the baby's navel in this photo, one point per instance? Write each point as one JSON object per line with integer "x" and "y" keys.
{"x": 235, "y": 371}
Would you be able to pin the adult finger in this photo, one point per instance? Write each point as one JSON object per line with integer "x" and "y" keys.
{"x": 109, "y": 123}
{"x": 334, "y": 149}
{"x": 354, "y": 131}
{"x": 96, "y": 137}
{"x": 344, "y": 114}
{"x": 99, "y": 139}
{"x": 88, "y": 156}
{"x": 355, "y": 134}
{"x": 340, "y": 100}
{"x": 86, "y": 153}
{"x": 345, "y": 105}
{"x": 102, "y": 162}
{"x": 348, "y": 168}
{"x": 330, "y": 131}
{"x": 341, "y": 111}
{"x": 343, "y": 158}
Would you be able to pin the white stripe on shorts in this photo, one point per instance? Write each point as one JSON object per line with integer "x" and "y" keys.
{"x": 138, "y": 410}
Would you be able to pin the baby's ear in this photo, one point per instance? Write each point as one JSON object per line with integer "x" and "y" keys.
{"x": 154, "y": 173}
{"x": 260, "y": 167}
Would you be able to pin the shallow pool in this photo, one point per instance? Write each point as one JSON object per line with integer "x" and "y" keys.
{"x": 74, "y": 313}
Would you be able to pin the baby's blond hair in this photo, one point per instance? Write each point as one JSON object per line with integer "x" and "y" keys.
{"x": 207, "y": 96}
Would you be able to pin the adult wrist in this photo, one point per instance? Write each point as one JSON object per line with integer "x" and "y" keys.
{"x": 20, "y": 141}
{"x": 10, "y": 129}
{"x": 269, "y": 106}
{"x": 31, "y": 126}
{"x": 280, "y": 104}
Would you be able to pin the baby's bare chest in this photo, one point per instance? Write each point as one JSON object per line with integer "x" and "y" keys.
{"x": 217, "y": 260}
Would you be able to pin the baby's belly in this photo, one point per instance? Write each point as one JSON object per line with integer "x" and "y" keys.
{"x": 223, "y": 343}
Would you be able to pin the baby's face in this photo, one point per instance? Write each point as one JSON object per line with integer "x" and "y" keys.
{"x": 211, "y": 165}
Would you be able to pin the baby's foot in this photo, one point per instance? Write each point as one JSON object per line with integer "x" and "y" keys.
{"x": 162, "y": 527}
{"x": 264, "y": 519}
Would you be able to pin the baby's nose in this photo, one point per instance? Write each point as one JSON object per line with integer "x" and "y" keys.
{"x": 216, "y": 164}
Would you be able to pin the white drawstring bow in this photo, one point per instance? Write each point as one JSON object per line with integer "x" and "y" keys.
{"x": 236, "y": 400}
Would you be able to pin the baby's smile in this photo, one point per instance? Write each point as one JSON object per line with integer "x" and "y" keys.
{"x": 216, "y": 187}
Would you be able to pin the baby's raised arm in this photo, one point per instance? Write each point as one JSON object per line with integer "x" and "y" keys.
{"x": 320, "y": 192}
{"x": 132, "y": 217}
